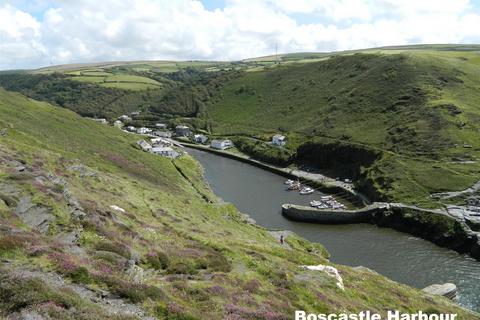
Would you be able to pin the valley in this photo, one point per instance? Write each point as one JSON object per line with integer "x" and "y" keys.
{"x": 81, "y": 202}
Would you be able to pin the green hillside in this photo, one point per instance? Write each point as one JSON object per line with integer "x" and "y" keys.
{"x": 401, "y": 121}
{"x": 415, "y": 112}
{"x": 168, "y": 249}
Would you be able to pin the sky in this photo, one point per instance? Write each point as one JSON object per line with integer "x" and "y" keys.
{"x": 39, "y": 33}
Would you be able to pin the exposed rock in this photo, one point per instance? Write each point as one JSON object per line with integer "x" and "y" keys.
{"x": 69, "y": 238}
{"x": 76, "y": 210}
{"x": 111, "y": 303}
{"x": 329, "y": 270}
{"x": 364, "y": 269}
{"x": 83, "y": 170}
{"x": 247, "y": 219}
{"x": 117, "y": 208}
{"x": 447, "y": 290}
{"x": 3, "y": 132}
{"x": 20, "y": 168}
{"x": 473, "y": 222}
{"x": 134, "y": 272}
{"x": 33, "y": 215}
{"x": 27, "y": 315}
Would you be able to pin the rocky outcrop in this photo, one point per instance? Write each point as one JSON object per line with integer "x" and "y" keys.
{"x": 35, "y": 216}
{"x": 330, "y": 271}
{"x": 447, "y": 290}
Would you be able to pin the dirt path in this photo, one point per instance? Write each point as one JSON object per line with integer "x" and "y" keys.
{"x": 111, "y": 304}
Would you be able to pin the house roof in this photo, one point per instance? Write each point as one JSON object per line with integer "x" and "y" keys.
{"x": 143, "y": 143}
{"x": 279, "y": 137}
{"x": 220, "y": 141}
{"x": 160, "y": 149}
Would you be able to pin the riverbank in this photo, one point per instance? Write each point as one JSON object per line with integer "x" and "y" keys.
{"x": 397, "y": 255}
{"x": 341, "y": 190}
{"x": 437, "y": 226}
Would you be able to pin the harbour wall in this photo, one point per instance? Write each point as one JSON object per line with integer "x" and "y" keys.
{"x": 436, "y": 226}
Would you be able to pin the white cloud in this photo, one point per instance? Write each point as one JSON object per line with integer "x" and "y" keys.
{"x": 92, "y": 30}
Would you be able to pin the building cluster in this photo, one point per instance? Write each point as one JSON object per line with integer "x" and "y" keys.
{"x": 159, "y": 136}
{"x": 160, "y": 146}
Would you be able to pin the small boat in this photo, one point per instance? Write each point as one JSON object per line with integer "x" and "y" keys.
{"x": 306, "y": 190}
{"x": 294, "y": 186}
{"x": 315, "y": 203}
{"x": 289, "y": 182}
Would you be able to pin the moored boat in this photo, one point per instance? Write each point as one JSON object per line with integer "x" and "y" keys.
{"x": 306, "y": 190}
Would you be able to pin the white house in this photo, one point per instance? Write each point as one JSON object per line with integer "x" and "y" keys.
{"x": 163, "y": 134}
{"x": 118, "y": 124}
{"x": 101, "y": 120}
{"x": 200, "y": 138}
{"x": 165, "y": 152}
{"x": 182, "y": 131}
{"x": 135, "y": 113}
{"x": 279, "y": 140}
{"x": 143, "y": 130}
{"x": 144, "y": 145}
{"x": 131, "y": 128}
{"x": 125, "y": 118}
{"x": 161, "y": 142}
{"x": 161, "y": 125}
{"x": 221, "y": 144}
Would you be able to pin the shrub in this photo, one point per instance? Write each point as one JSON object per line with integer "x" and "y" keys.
{"x": 263, "y": 151}
{"x": 114, "y": 247}
{"x": 13, "y": 242}
{"x": 251, "y": 286}
{"x": 80, "y": 275}
{"x": 134, "y": 292}
{"x": 158, "y": 260}
{"x": 180, "y": 267}
{"x": 172, "y": 311}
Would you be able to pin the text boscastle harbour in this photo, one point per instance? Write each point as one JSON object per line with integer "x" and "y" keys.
{"x": 368, "y": 315}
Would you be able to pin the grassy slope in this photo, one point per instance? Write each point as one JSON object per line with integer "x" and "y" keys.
{"x": 232, "y": 267}
{"x": 390, "y": 101}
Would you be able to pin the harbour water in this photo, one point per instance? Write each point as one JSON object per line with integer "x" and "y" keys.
{"x": 397, "y": 255}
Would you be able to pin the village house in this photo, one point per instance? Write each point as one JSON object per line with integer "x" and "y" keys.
{"x": 125, "y": 118}
{"x": 160, "y": 125}
{"x": 118, "y": 124}
{"x": 165, "y": 152}
{"x": 144, "y": 145}
{"x": 101, "y": 120}
{"x": 163, "y": 134}
{"x": 131, "y": 129}
{"x": 135, "y": 113}
{"x": 143, "y": 130}
{"x": 200, "y": 138}
{"x": 221, "y": 144}
{"x": 182, "y": 131}
{"x": 279, "y": 140}
{"x": 161, "y": 142}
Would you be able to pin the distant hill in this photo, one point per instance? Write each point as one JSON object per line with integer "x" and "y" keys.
{"x": 408, "y": 114}
{"x": 414, "y": 109}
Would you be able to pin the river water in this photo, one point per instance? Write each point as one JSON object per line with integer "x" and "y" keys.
{"x": 397, "y": 255}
